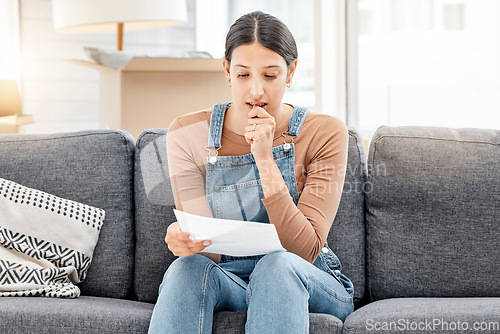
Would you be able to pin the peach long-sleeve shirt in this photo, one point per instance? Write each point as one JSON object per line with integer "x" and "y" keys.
{"x": 320, "y": 164}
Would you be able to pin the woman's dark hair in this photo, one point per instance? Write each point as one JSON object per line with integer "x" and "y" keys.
{"x": 265, "y": 29}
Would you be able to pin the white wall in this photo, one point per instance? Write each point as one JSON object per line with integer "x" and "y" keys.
{"x": 62, "y": 96}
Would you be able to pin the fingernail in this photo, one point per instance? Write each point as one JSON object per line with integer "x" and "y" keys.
{"x": 207, "y": 243}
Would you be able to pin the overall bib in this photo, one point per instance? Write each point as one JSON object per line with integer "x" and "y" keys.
{"x": 233, "y": 188}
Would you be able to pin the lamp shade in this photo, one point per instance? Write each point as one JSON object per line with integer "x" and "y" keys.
{"x": 89, "y": 16}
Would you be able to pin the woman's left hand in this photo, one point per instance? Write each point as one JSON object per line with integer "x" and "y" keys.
{"x": 260, "y": 136}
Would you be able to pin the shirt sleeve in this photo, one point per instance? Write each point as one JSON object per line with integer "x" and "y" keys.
{"x": 303, "y": 228}
{"x": 187, "y": 172}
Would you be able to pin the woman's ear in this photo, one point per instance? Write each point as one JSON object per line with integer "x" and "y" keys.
{"x": 291, "y": 71}
{"x": 227, "y": 66}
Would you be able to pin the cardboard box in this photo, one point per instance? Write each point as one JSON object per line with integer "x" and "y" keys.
{"x": 152, "y": 92}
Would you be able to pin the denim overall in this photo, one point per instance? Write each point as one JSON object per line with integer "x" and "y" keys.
{"x": 194, "y": 287}
{"x": 233, "y": 189}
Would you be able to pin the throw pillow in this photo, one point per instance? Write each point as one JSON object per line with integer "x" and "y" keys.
{"x": 46, "y": 242}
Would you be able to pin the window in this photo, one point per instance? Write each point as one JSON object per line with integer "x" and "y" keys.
{"x": 428, "y": 62}
{"x": 389, "y": 62}
{"x": 9, "y": 39}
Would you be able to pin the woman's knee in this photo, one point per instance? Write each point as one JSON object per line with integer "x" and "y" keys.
{"x": 276, "y": 265}
{"x": 186, "y": 269}
{"x": 277, "y": 260}
{"x": 187, "y": 262}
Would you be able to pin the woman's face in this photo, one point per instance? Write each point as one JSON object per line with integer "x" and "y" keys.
{"x": 258, "y": 76}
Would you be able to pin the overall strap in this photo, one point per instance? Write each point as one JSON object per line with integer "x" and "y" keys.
{"x": 216, "y": 121}
{"x": 296, "y": 121}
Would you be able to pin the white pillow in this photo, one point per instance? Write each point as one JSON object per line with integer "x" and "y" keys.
{"x": 46, "y": 242}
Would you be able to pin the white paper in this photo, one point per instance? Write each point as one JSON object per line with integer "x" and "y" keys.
{"x": 231, "y": 237}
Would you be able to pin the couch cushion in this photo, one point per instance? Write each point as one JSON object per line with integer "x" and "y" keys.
{"x": 153, "y": 214}
{"x": 154, "y": 204}
{"x": 347, "y": 234}
{"x": 84, "y": 315}
{"x": 426, "y": 315}
{"x": 433, "y": 213}
{"x": 92, "y": 167}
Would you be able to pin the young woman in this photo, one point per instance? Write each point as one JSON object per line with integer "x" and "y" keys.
{"x": 256, "y": 159}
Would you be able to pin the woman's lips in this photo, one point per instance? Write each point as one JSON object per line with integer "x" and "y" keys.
{"x": 253, "y": 104}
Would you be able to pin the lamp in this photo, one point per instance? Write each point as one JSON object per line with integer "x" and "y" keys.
{"x": 10, "y": 100}
{"x": 90, "y": 16}
{"x": 10, "y": 108}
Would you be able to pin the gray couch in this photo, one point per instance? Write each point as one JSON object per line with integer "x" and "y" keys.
{"x": 417, "y": 231}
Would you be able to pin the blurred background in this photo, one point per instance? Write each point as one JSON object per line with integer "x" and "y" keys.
{"x": 369, "y": 62}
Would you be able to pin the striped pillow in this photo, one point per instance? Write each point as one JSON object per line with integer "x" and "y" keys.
{"x": 46, "y": 242}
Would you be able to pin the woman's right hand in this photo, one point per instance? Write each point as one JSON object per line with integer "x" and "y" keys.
{"x": 182, "y": 243}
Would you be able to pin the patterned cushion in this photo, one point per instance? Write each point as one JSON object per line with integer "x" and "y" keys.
{"x": 46, "y": 242}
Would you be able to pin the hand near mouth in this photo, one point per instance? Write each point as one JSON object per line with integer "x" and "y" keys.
{"x": 260, "y": 136}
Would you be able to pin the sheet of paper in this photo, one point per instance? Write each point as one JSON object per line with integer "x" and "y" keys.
{"x": 231, "y": 237}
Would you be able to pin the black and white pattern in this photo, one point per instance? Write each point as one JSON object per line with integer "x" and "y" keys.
{"x": 40, "y": 249}
{"x": 15, "y": 274}
{"x": 46, "y": 242}
{"x": 27, "y": 196}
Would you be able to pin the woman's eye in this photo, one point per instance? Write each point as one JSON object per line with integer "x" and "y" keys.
{"x": 242, "y": 75}
{"x": 271, "y": 76}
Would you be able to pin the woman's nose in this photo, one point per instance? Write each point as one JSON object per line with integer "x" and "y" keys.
{"x": 257, "y": 88}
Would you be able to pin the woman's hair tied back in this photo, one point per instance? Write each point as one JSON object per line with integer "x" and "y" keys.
{"x": 265, "y": 29}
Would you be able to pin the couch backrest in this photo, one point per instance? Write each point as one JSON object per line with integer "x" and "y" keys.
{"x": 92, "y": 167}
{"x": 154, "y": 204}
{"x": 153, "y": 214}
{"x": 433, "y": 213}
{"x": 347, "y": 234}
